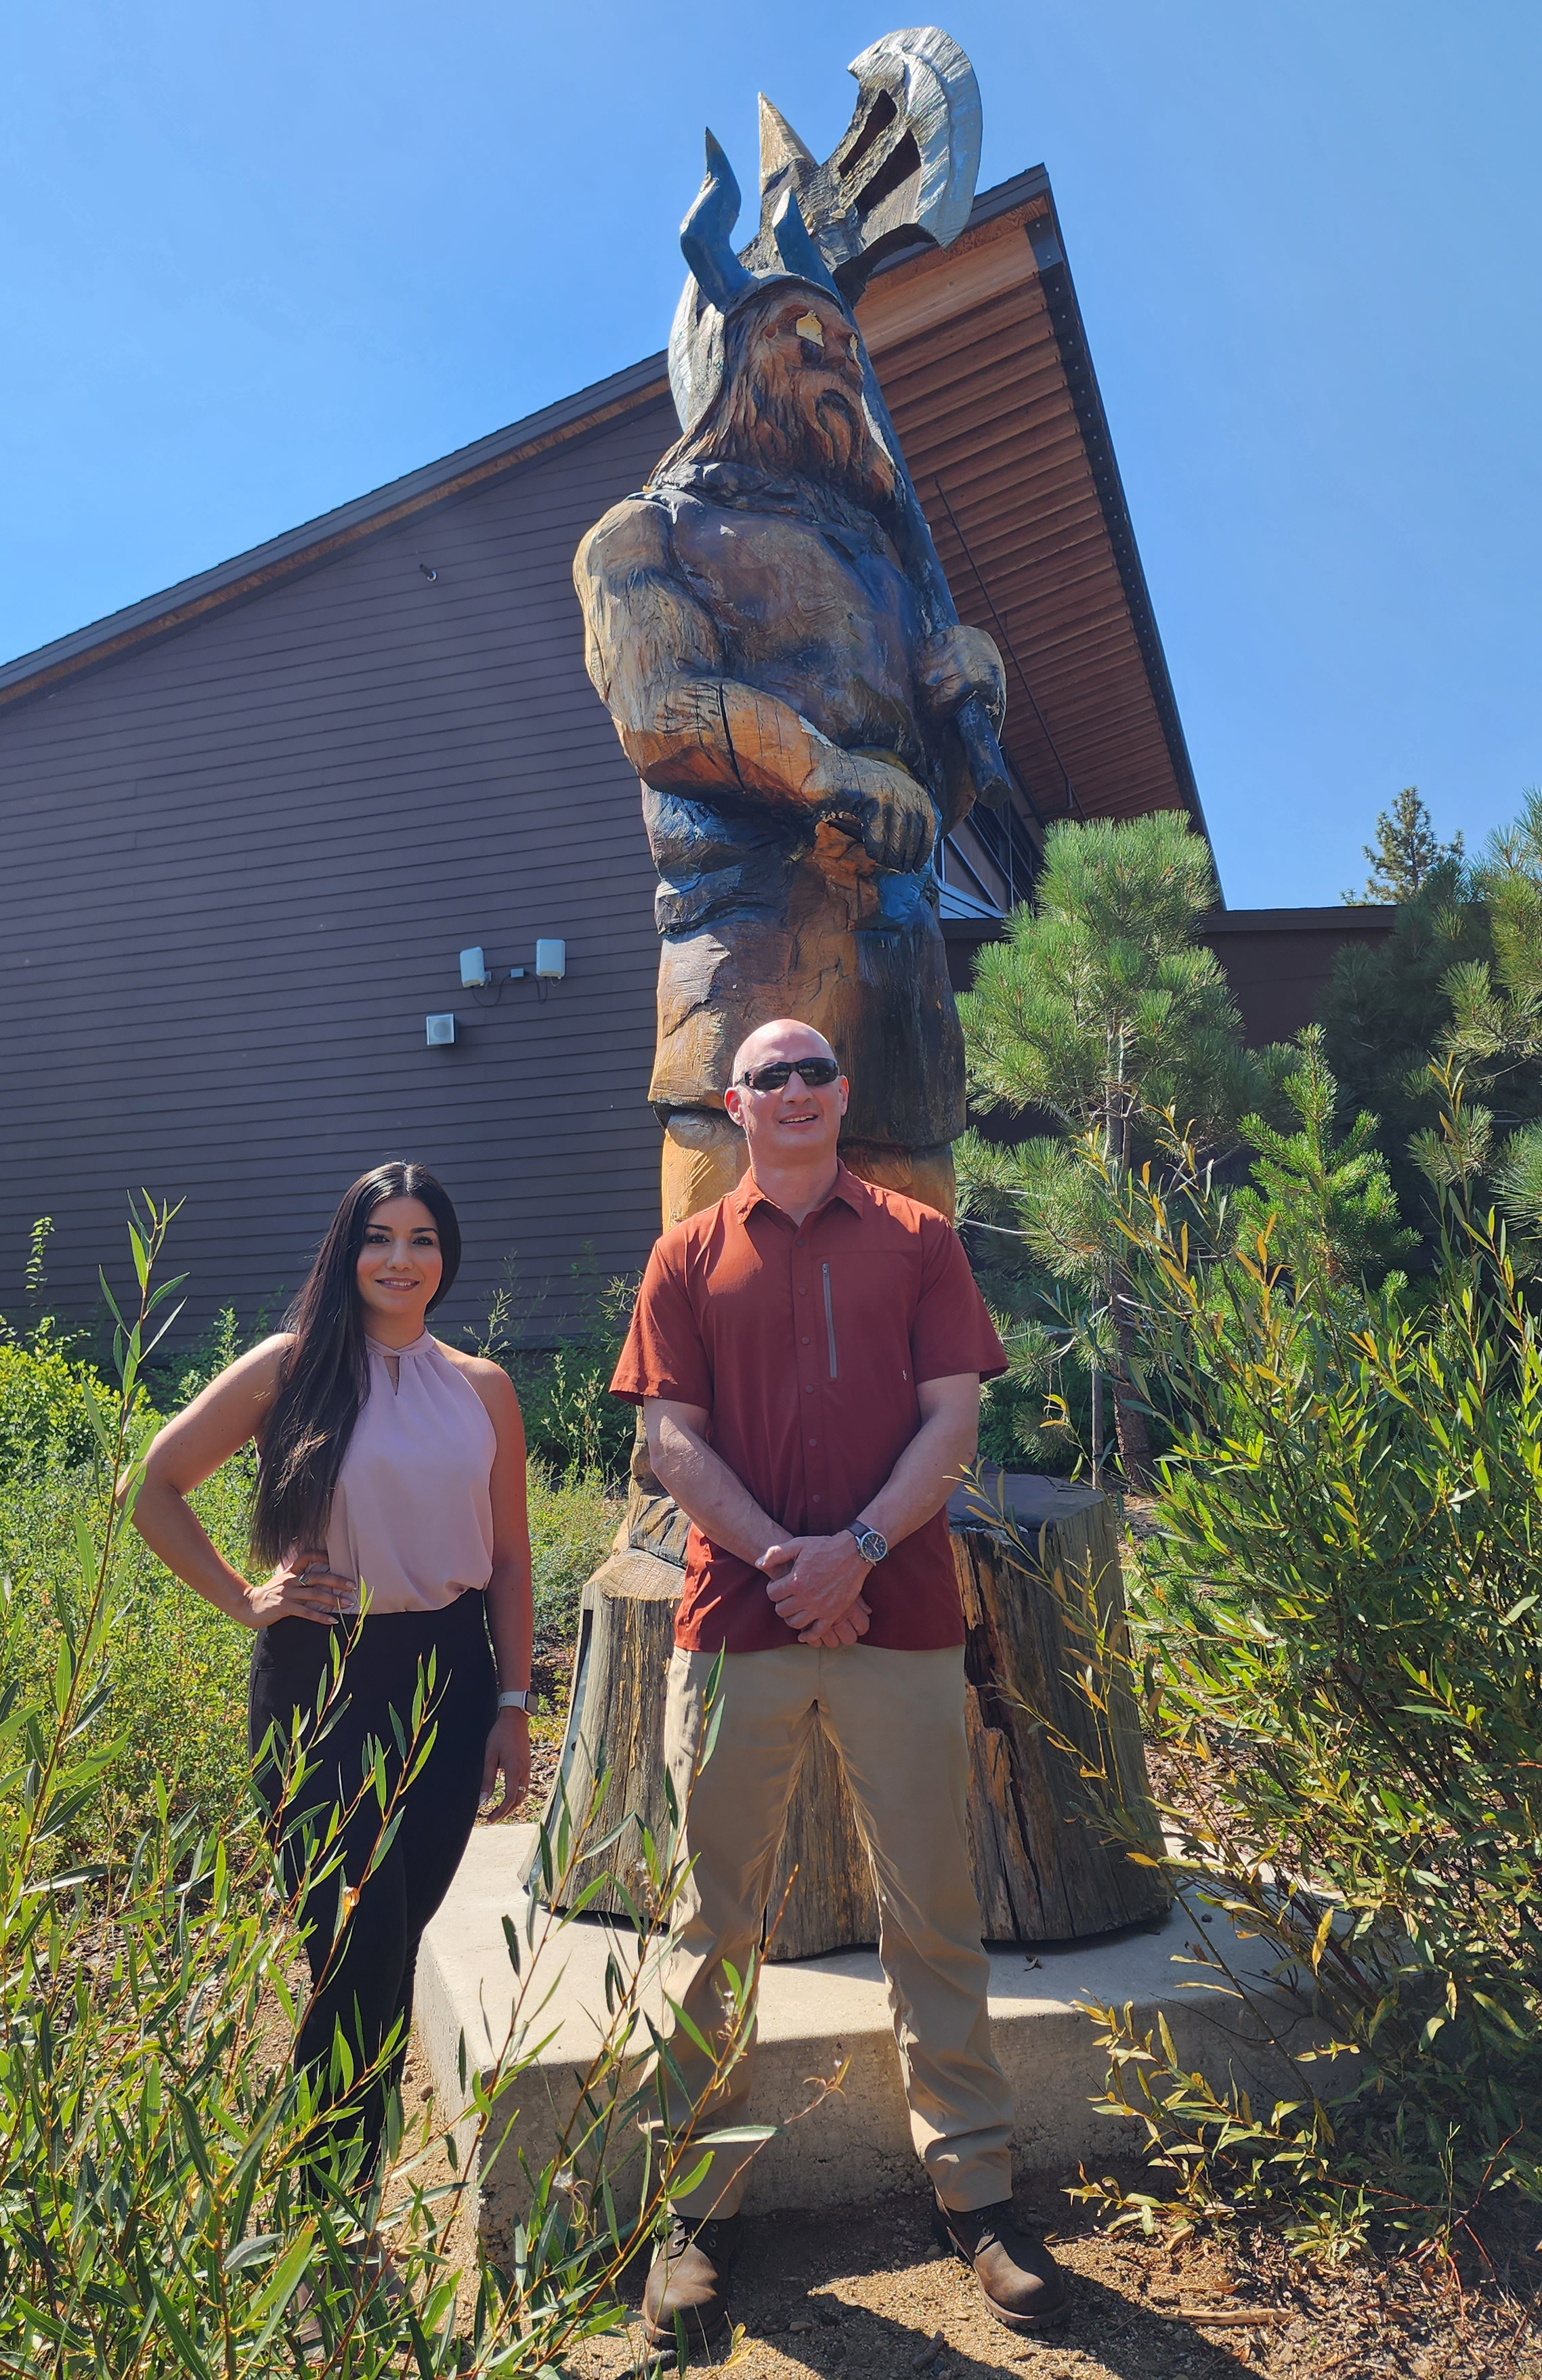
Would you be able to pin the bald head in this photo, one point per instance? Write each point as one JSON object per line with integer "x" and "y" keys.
{"x": 792, "y": 1127}
{"x": 783, "y": 1037}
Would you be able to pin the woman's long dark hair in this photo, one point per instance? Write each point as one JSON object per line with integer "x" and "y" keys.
{"x": 325, "y": 1375}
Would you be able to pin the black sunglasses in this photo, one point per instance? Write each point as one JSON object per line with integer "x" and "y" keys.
{"x": 812, "y": 1073}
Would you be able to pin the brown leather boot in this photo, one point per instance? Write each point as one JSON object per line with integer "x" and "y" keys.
{"x": 689, "y": 2277}
{"x": 1023, "y": 2286}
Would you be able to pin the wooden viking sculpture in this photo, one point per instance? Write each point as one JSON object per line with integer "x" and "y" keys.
{"x": 768, "y": 625}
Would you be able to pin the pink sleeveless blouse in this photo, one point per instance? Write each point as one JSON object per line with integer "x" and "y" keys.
{"x": 411, "y": 1517}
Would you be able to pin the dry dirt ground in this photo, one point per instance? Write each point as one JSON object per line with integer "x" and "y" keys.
{"x": 861, "y": 2293}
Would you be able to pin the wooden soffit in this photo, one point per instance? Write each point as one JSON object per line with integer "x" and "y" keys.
{"x": 984, "y": 365}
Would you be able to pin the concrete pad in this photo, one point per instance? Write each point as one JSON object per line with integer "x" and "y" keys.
{"x": 814, "y": 2013}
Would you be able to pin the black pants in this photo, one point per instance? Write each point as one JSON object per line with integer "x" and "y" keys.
{"x": 363, "y": 1972}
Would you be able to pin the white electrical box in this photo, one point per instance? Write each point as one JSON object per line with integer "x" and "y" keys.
{"x": 551, "y": 958}
{"x": 474, "y": 968}
{"x": 441, "y": 1031}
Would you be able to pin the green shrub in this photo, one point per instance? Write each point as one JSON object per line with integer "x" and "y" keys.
{"x": 151, "y": 2137}
{"x": 44, "y": 1413}
{"x": 194, "y": 1366}
{"x": 573, "y": 1425}
{"x": 175, "y": 1667}
{"x": 1338, "y": 1636}
{"x": 573, "y": 1520}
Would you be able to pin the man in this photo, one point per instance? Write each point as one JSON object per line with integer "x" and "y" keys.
{"x": 756, "y": 632}
{"x": 808, "y": 1354}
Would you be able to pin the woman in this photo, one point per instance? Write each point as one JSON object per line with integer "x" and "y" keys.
{"x": 391, "y": 1482}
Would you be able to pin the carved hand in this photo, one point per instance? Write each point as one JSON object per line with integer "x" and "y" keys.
{"x": 956, "y": 663}
{"x": 894, "y": 815}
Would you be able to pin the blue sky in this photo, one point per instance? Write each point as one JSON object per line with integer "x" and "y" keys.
{"x": 259, "y": 261}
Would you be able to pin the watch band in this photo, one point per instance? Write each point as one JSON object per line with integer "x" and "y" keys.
{"x": 517, "y": 1698}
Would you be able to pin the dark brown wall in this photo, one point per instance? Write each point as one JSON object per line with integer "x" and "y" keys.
{"x": 1278, "y": 962}
{"x": 240, "y": 865}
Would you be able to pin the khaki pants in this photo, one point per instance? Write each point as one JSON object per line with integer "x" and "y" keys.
{"x": 898, "y": 1720}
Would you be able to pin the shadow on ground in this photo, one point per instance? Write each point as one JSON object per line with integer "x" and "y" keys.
{"x": 864, "y": 2293}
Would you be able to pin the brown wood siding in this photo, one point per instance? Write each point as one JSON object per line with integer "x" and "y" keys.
{"x": 1278, "y": 963}
{"x": 250, "y": 823}
{"x": 242, "y": 861}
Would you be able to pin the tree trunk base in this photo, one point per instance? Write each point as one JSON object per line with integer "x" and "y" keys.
{"x": 1042, "y": 1870}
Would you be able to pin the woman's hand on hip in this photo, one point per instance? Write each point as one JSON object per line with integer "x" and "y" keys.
{"x": 508, "y": 1750}
{"x": 301, "y": 1589}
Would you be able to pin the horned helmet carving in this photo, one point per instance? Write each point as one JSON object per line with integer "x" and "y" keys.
{"x": 903, "y": 172}
{"x": 720, "y": 284}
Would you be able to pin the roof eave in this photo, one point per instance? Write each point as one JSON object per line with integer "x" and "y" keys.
{"x": 1065, "y": 314}
{"x": 319, "y": 540}
{"x": 316, "y": 542}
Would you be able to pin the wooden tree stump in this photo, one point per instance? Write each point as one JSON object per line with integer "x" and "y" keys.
{"x": 615, "y": 1728}
{"x": 1042, "y": 1873}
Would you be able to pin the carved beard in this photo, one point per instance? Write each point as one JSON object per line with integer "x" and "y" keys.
{"x": 786, "y": 419}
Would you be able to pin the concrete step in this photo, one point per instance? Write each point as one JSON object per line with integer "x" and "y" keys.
{"x": 814, "y": 2013}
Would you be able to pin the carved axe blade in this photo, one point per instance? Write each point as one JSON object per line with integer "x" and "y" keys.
{"x": 902, "y": 172}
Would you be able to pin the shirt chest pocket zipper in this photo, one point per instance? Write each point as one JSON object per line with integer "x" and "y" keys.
{"x": 830, "y": 1324}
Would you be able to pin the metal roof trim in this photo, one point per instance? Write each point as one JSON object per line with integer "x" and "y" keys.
{"x": 177, "y": 605}
{"x": 190, "y": 598}
{"x": 953, "y": 903}
{"x": 1343, "y": 916}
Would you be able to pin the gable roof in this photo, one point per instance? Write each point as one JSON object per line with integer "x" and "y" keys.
{"x": 984, "y": 360}
{"x": 317, "y": 542}
{"x": 985, "y": 365}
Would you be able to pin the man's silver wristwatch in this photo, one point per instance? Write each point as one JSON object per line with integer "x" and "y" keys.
{"x": 517, "y": 1698}
{"x": 871, "y": 1544}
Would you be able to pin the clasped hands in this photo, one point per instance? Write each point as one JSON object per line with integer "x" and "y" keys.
{"x": 814, "y": 1585}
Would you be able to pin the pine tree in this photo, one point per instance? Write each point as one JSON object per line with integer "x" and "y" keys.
{"x": 1322, "y": 1206}
{"x": 1496, "y": 1030}
{"x": 1388, "y": 1006}
{"x": 1407, "y": 852}
{"x": 1104, "y": 1011}
{"x": 1457, "y": 981}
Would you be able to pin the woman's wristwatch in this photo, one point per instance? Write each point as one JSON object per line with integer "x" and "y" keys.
{"x": 517, "y": 1698}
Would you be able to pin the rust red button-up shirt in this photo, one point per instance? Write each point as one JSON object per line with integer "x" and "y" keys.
{"x": 804, "y": 1343}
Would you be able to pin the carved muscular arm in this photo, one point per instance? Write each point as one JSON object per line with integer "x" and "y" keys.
{"x": 948, "y": 668}
{"x": 657, "y": 659}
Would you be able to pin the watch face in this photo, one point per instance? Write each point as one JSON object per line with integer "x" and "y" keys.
{"x": 874, "y": 1545}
